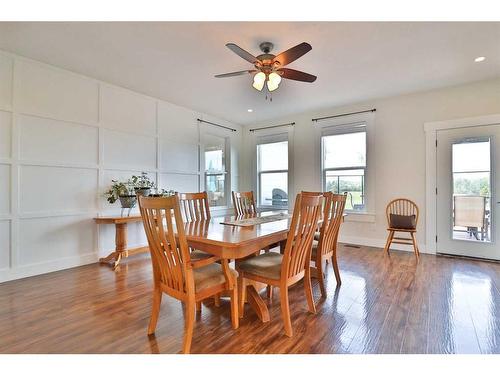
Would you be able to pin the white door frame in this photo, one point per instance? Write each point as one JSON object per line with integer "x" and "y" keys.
{"x": 431, "y": 129}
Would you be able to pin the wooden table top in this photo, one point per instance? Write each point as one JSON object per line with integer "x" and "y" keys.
{"x": 232, "y": 242}
{"x": 117, "y": 219}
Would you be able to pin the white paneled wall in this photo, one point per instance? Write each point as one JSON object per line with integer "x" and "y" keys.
{"x": 63, "y": 138}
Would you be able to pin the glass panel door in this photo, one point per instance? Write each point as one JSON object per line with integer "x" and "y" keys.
{"x": 467, "y": 183}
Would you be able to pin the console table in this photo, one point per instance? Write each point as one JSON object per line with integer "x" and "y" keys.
{"x": 121, "y": 250}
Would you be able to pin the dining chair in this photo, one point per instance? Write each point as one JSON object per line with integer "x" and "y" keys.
{"x": 244, "y": 203}
{"x": 173, "y": 271}
{"x": 285, "y": 270}
{"x": 325, "y": 244}
{"x": 195, "y": 207}
{"x": 402, "y": 216}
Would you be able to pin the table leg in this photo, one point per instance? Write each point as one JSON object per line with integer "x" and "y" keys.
{"x": 120, "y": 246}
{"x": 257, "y": 304}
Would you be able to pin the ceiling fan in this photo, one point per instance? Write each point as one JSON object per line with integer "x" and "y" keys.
{"x": 270, "y": 68}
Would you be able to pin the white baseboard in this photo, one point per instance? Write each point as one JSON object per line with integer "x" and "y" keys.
{"x": 380, "y": 243}
{"x": 46, "y": 267}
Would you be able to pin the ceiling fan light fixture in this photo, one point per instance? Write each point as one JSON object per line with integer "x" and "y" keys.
{"x": 273, "y": 81}
{"x": 258, "y": 81}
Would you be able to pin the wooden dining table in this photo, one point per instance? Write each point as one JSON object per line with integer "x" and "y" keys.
{"x": 237, "y": 242}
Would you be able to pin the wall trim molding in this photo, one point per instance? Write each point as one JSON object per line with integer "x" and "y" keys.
{"x": 431, "y": 129}
{"x": 380, "y": 243}
{"x": 24, "y": 271}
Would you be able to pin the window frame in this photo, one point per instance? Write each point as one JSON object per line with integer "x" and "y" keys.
{"x": 225, "y": 170}
{"x": 268, "y": 139}
{"x": 346, "y": 125}
{"x": 343, "y": 130}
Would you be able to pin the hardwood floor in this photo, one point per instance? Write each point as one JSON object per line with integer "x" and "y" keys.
{"x": 385, "y": 305}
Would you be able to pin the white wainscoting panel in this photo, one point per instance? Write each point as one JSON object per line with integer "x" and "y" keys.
{"x": 63, "y": 138}
{"x": 54, "y": 93}
{"x": 57, "y": 141}
{"x": 125, "y": 110}
{"x": 126, "y": 150}
{"x": 5, "y": 134}
{"x": 4, "y": 243}
{"x": 4, "y": 189}
{"x": 46, "y": 239}
{"x": 186, "y": 183}
{"x": 178, "y": 155}
{"x": 57, "y": 189}
{"x": 6, "y": 64}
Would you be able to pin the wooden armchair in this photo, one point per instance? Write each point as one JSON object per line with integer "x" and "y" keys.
{"x": 325, "y": 246}
{"x": 174, "y": 273}
{"x": 284, "y": 270}
{"x": 402, "y": 216}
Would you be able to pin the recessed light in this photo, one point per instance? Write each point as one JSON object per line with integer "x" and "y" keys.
{"x": 479, "y": 59}
{"x": 249, "y": 110}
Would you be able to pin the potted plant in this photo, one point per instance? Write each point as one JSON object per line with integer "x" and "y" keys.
{"x": 142, "y": 184}
{"x": 122, "y": 191}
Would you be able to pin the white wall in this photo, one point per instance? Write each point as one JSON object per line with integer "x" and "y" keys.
{"x": 63, "y": 137}
{"x": 399, "y": 142}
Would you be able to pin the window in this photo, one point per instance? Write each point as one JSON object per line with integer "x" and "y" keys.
{"x": 272, "y": 171}
{"x": 343, "y": 150}
{"x": 215, "y": 169}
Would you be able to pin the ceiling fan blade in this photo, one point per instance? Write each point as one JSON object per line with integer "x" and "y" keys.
{"x": 242, "y": 53}
{"x": 292, "y": 54}
{"x": 234, "y": 74}
{"x": 296, "y": 75}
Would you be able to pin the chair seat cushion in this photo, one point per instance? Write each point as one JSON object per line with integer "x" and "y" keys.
{"x": 266, "y": 265}
{"x": 199, "y": 255}
{"x": 209, "y": 276}
{"x": 402, "y": 221}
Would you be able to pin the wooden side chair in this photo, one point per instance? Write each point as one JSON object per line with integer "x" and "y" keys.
{"x": 194, "y": 207}
{"x": 402, "y": 216}
{"x": 244, "y": 203}
{"x": 284, "y": 270}
{"x": 325, "y": 246}
{"x": 174, "y": 273}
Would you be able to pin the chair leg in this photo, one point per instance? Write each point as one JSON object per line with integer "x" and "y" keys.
{"x": 198, "y": 306}
{"x": 269, "y": 290}
{"x": 241, "y": 295}
{"x": 217, "y": 300}
{"x": 157, "y": 295}
{"x": 321, "y": 278}
{"x": 335, "y": 266}
{"x": 389, "y": 241}
{"x": 308, "y": 289}
{"x": 285, "y": 311}
{"x": 235, "y": 320}
{"x": 189, "y": 326}
{"x": 415, "y": 247}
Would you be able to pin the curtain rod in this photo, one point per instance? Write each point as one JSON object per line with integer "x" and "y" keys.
{"x": 214, "y": 124}
{"x": 344, "y": 114}
{"x": 274, "y": 126}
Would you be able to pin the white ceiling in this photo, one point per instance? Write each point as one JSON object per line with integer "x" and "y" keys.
{"x": 176, "y": 61}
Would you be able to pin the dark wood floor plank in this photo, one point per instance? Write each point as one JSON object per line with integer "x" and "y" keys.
{"x": 384, "y": 305}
